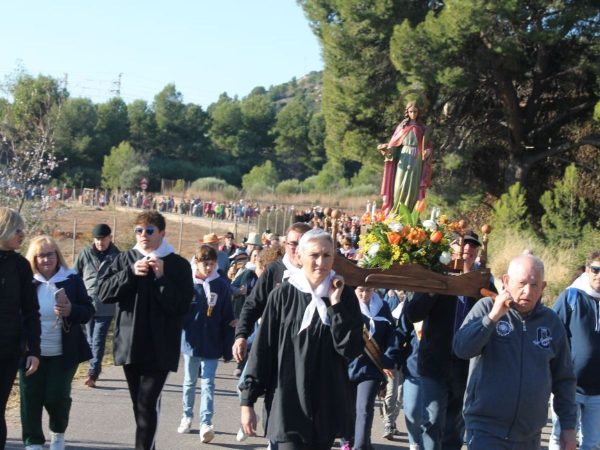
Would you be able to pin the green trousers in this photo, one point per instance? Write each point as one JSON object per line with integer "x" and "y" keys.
{"x": 49, "y": 387}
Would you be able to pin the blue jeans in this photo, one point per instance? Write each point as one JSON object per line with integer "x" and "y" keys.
{"x": 97, "y": 330}
{"x": 206, "y": 368}
{"x": 443, "y": 427}
{"x": 413, "y": 410}
{"x": 588, "y": 420}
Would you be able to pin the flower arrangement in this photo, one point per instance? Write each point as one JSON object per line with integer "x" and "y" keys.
{"x": 404, "y": 239}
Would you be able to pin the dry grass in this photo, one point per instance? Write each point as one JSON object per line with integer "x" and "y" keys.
{"x": 559, "y": 263}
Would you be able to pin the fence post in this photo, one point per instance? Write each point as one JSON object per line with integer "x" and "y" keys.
{"x": 180, "y": 235}
{"x": 276, "y": 221}
{"x": 74, "y": 240}
{"x": 248, "y": 220}
{"x": 114, "y": 230}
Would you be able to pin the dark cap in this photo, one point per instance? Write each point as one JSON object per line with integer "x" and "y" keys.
{"x": 101, "y": 231}
{"x": 472, "y": 238}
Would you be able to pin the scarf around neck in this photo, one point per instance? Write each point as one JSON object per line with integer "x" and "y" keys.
{"x": 164, "y": 249}
{"x": 371, "y": 310}
{"x": 299, "y": 281}
{"x": 206, "y": 282}
{"x": 290, "y": 269}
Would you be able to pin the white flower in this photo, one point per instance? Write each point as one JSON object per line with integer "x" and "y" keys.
{"x": 430, "y": 225}
{"x": 396, "y": 227}
{"x": 373, "y": 249}
{"x": 445, "y": 258}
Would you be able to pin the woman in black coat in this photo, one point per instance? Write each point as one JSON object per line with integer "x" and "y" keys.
{"x": 19, "y": 311}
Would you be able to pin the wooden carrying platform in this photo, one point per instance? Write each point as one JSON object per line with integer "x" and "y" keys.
{"x": 413, "y": 277}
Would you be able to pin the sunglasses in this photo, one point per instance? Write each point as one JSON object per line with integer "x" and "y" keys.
{"x": 149, "y": 230}
{"x": 595, "y": 269}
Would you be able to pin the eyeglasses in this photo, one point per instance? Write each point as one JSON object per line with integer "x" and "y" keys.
{"x": 595, "y": 269}
{"x": 149, "y": 230}
{"x": 49, "y": 255}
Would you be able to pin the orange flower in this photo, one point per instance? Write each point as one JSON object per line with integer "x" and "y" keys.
{"x": 379, "y": 216}
{"x": 366, "y": 219}
{"x": 394, "y": 238}
{"x": 416, "y": 236}
{"x": 420, "y": 206}
{"x": 436, "y": 236}
{"x": 443, "y": 219}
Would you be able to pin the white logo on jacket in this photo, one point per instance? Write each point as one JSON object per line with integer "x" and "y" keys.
{"x": 504, "y": 328}
{"x": 543, "y": 337}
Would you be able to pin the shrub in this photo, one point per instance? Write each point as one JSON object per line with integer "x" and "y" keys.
{"x": 209, "y": 184}
{"x": 292, "y": 186}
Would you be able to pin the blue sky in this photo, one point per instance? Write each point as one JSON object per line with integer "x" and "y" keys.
{"x": 204, "y": 47}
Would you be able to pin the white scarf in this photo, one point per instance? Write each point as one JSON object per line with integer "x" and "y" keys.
{"x": 398, "y": 310}
{"x": 299, "y": 281}
{"x": 371, "y": 310}
{"x": 583, "y": 284}
{"x": 250, "y": 266}
{"x": 62, "y": 275}
{"x": 290, "y": 269}
{"x": 206, "y": 282}
{"x": 164, "y": 249}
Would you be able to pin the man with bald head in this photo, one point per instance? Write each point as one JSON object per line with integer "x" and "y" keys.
{"x": 519, "y": 355}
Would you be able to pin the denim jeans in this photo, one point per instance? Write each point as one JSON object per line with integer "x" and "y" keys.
{"x": 206, "y": 368}
{"x": 393, "y": 399}
{"x": 443, "y": 427}
{"x": 588, "y": 420}
{"x": 366, "y": 391}
{"x": 97, "y": 330}
{"x": 413, "y": 410}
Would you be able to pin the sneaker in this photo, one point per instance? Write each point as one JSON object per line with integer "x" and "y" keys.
{"x": 90, "y": 381}
{"x": 207, "y": 433}
{"x": 388, "y": 433}
{"x": 237, "y": 373}
{"x": 57, "y": 441}
{"x": 346, "y": 446}
{"x": 413, "y": 447}
{"x": 399, "y": 433}
{"x": 34, "y": 447}
{"x": 185, "y": 425}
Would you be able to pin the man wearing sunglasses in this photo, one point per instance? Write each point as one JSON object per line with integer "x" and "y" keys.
{"x": 153, "y": 289}
{"x": 578, "y": 308}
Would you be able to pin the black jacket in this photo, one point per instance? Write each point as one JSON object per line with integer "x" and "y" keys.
{"x": 75, "y": 348}
{"x": 257, "y": 300}
{"x": 20, "y": 327}
{"x": 150, "y": 311}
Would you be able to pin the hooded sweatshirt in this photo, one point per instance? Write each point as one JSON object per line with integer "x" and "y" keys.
{"x": 578, "y": 309}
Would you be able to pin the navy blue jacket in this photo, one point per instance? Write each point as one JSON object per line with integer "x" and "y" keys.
{"x": 75, "y": 348}
{"x": 209, "y": 337}
{"x": 581, "y": 316}
{"x": 388, "y": 340}
{"x": 409, "y": 353}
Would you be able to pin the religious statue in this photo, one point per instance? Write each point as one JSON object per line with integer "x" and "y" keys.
{"x": 407, "y": 166}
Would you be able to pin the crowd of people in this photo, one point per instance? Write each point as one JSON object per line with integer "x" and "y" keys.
{"x": 464, "y": 370}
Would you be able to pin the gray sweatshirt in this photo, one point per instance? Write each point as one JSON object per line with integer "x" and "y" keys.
{"x": 515, "y": 364}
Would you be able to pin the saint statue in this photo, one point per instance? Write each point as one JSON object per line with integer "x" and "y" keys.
{"x": 407, "y": 166}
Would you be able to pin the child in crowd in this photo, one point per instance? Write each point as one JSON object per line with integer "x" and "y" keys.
{"x": 207, "y": 335}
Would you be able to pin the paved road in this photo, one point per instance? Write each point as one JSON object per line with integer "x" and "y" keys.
{"x": 101, "y": 418}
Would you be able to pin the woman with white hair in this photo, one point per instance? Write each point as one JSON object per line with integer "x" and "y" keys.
{"x": 19, "y": 311}
{"x": 310, "y": 330}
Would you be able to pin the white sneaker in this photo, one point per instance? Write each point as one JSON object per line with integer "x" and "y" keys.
{"x": 207, "y": 433}
{"x": 57, "y": 441}
{"x": 34, "y": 447}
{"x": 185, "y": 425}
